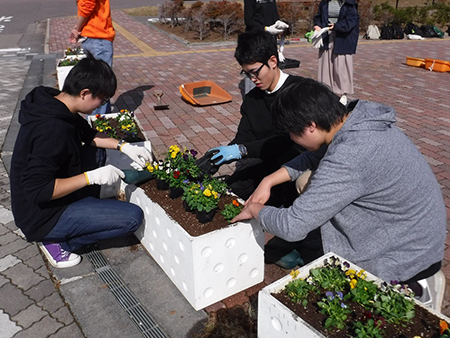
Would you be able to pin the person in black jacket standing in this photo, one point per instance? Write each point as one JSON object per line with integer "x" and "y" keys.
{"x": 55, "y": 176}
{"x": 263, "y": 15}
{"x": 339, "y": 44}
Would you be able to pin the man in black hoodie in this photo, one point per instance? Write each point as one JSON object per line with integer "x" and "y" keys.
{"x": 52, "y": 167}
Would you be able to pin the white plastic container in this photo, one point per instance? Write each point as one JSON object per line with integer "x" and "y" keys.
{"x": 61, "y": 73}
{"x": 206, "y": 268}
{"x": 117, "y": 159}
{"x": 276, "y": 320}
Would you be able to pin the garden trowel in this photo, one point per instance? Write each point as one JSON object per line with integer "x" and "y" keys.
{"x": 159, "y": 106}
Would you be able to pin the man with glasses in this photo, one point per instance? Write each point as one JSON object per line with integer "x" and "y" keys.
{"x": 258, "y": 147}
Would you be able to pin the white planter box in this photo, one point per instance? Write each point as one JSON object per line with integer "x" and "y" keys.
{"x": 276, "y": 320}
{"x": 61, "y": 73}
{"x": 207, "y": 268}
{"x": 117, "y": 159}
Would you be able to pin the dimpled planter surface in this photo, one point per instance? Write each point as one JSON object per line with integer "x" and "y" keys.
{"x": 277, "y": 320}
{"x": 205, "y": 268}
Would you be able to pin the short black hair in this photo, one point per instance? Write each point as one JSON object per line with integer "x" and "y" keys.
{"x": 255, "y": 46}
{"x": 93, "y": 74}
{"x": 305, "y": 101}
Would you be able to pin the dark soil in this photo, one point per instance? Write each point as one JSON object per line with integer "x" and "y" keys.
{"x": 121, "y": 135}
{"x": 174, "y": 208}
{"x": 424, "y": 324}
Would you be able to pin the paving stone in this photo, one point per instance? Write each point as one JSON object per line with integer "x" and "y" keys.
{"x": 3, "y": 229}
{"x": 28, "y": 252}
{"x": 52, "y": 303}
{"x": 46, "y": 326}
{"x": 29, "y": 316}
{"x": 11, "y": 226}
{"x": 12, "y": 247}
{"x": 42, "y": 290}
{"x": 8, "y": 328}
{"x": 71, "y": 331}
{"x": 63, "y": 315}
{"x": 23, "y": 276}
{"x": 3, "y": 280}
{"x": 8, "y": 238}
{"x": 13, "y": 299}
{"x": 8, "y": 261}
{"x": 38, "y": 265}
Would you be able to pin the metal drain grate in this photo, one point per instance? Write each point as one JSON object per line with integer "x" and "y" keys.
{"x": 127, "y": 300}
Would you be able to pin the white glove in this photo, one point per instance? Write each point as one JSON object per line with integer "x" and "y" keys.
{"x": 281, "y": 57}
{"x": 106, "y": 175}
{"x": 317, "y": 37}
{"x": 281, "y": 25}
{"x": 273, "y": 30}
{"x": 140, "y": 155}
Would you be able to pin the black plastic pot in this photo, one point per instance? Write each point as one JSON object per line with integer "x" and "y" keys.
{"x": 205, "y": 217}
{"x": 175, "y": 192}
{"x": 187, "y": 207}
{"x": 161, "y": 184}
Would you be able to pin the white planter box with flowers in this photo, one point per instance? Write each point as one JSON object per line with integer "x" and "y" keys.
{"x": 65, "y": 65}
{"x": 276, "y": 320}
{"x": 207, "y": 268}
{"x": 117, "y": 159}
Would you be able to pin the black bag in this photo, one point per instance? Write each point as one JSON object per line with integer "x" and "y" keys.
{"x": 428, "y": 31}
{"x": 387, "y": 33}
{"x": 411, "y": 28}
{"x": 397, "y": 31}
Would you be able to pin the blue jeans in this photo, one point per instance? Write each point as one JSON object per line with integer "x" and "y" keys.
{"x": 102, "y": 50}
{"x": 91, "y": 219}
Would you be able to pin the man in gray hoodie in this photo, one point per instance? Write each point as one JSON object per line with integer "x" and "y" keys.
{"x": 372, "y": 194}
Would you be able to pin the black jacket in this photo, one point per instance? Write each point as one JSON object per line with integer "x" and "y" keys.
{"x": 346, "y": 28}
{"x": 260, "y": 13}
{"x": 257, "y": 132}
{"x": 48, "y": 146}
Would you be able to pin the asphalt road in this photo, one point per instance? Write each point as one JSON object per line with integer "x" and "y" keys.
{"x": 23, "y": 22}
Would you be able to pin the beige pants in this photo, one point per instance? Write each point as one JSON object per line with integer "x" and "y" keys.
{"x": 336, "y": 71}
{"x": 303, "y": 181}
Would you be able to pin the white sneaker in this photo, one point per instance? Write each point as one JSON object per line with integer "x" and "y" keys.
{"x": 433, "y": 290}
{"x": 343, "y": 99}
{"x": 58, "y": 257}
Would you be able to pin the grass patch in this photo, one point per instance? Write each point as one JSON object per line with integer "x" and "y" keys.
{"x": 142, "y": 11}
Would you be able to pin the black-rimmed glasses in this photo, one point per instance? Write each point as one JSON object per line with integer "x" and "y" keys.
{"x": 252, "y": 75}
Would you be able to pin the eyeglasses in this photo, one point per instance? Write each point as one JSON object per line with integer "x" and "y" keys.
{"x": 105, "y": 101}
{"x": 252, "y": 75}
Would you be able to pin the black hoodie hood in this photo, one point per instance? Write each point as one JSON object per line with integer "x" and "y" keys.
{"x": 40, "y": 105}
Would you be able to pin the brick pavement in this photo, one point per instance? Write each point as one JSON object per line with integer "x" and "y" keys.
{"x": 146, "y": 59}
{"x": 149, "y": 59}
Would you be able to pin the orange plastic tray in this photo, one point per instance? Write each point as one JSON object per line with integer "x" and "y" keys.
{"x": 415, "y": 62}
{"x": 437, "y": 65}
{"x": 204, "y": 93}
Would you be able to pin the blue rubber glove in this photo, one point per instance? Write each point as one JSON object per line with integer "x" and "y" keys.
{"x": 225, "y": 154}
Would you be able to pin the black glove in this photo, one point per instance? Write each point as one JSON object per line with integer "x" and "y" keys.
{"x": 205, "y": 164}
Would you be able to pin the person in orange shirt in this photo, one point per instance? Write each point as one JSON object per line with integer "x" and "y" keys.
{"x": 96, "y": 33}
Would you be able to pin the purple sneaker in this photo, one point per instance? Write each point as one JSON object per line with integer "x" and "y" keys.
{"x": 58, "y": 257}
